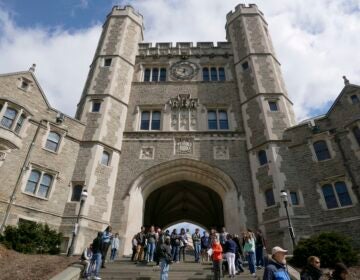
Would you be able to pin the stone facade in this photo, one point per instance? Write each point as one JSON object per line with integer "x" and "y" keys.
{"x": 179, "y": 130}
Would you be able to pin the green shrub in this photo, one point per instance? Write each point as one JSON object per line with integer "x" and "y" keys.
{"x": 330, "y": 247}
{"x": 32, "y": 238}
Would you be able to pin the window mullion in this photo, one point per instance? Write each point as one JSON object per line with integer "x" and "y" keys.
{"x": 38, "y": 183}
{"x": 151, "y": 74}
{"x": 217, "y": 119}
{"x": 336, "y": 195}
{"x": 150, "y": 120}
{"x": 3, "y": 110}
{"x": 16, "y": 119}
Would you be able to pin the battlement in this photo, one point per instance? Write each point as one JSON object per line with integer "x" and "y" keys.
{"x": 185, "y": 48}
{"x": 126, "y": 11}
{"x": 243, "y": 9}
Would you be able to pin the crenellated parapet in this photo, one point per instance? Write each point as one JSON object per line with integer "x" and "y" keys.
{"x": 126, "y": 11}
{"x": 185, "y": 49}
{"x": 243, "y": 9}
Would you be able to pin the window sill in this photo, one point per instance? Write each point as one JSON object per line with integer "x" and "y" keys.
{"x": 35, "y": 196}
{"x": 50, "y": 151}
{"x": 271, "y": 207}
{"x": 340, "y": 208}
{"x": 325, "y": 160}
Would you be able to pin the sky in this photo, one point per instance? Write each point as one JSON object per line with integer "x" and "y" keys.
{"x": 317, "y": 42}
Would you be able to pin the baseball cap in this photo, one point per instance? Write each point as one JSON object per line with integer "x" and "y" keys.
{"x": 278, "y": 249}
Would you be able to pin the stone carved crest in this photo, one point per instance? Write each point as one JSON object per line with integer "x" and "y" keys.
{"x": 183, "y": 102}
{"x": 147, "y": 153}
{"x": 2, "y": 156}
{"x": 221, "y": 152}
{"x": 184, "y": 146}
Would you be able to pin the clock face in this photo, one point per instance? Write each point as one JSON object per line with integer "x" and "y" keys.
{"x": 183, "y": 70}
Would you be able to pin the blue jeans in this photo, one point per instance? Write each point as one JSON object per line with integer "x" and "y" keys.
{"x": 175, "y": 253}
{"x": 97, "y": 260}
{"x": 150, "y": 252}
{"x": 197, "y": 250}
{"x": 113, "y": 254}
{"x": 164, "y": 270}
{"x": 251, "y": 260}
{"x": 259, "y": 256}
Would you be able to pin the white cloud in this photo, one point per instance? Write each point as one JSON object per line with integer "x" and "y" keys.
{"x": 316, "y": 42}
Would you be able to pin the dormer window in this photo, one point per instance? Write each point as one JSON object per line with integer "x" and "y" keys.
{"x": 24, "y": 85}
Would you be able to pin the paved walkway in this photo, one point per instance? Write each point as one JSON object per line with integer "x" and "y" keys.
{"x": 125, "y": 269}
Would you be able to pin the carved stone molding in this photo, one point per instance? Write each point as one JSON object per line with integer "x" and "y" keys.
{"x": 221, "y": 152}
{"x": 183, "y": 102}
{"x": 2, "y": 156}
{"x": 184, "y": 146}
{"x": 147, "y": 153}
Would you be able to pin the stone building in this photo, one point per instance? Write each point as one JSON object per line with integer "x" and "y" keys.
{"x": 187, "y": 132}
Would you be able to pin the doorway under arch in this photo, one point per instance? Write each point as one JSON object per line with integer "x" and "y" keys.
{"x": 184, "y": 200}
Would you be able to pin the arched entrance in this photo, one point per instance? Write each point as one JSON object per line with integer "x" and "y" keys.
{"x": 198, "y": 185}
{"x": 184, "y": 200}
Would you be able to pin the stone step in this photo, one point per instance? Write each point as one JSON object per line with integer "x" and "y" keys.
{"x": 126, "y": 270}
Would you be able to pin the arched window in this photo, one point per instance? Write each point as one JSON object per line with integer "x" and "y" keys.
{"x": 321, "y": 150}
{"x": 32, "y": 181}
{"x": 329, "y": 196}
{"x": 76, "y": 193}
{"x": 162, "y": 74}
{"x": 262, "y": 157}
{"x": 45, "y": 185}
{"x": 155, "y": 121}
{"x": 8, "y": 118}
{"x": 356, "y": 131}
{"x": 145, "y": 120}
{"x": 342, "y": 193}
{"x": 155, "y": 74}
{"x": 223, "y": 120}
{"x": 355, "y": 99}
{"x": 147, "y": 75}
{"x": 213, "y": 72}
{"x": 222, "y": 74}
{"x": 52, "y": 142}
{"x": 206, "y": 76}
{"x": 105, "y": 159}
{"x": 212, "y": 119}
{"x": 269, "y": 197}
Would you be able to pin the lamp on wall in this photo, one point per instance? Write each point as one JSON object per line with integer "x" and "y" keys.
{"x": 83, "y": 197}
{"x": 284, "y": 198}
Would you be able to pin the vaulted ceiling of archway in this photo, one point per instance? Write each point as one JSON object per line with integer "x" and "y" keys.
{"x": 184, "y": 200}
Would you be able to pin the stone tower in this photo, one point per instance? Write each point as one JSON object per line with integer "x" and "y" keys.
{"x": 266, "y": 109}
{"x": 103, "y": 108}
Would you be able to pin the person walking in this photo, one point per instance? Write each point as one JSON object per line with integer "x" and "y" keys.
{"x": 134, "y": 246}
{"x": 97, "y": 252}
{"x": 230, "y": 250}
{"x": 140, "y": 240}
{"x": 183, "y": 244}
{"x": 260, "y": 246}
{"x": 276, "y": 269}
{"x": 222, "y": 236}
{"x": 205, "y": 246}
{"x": 239, "y": 254}
{"x": 151, "y": 244}
{"x": 196, "y": 238}
{"x": 312, "y": 270}
{"x": 175, "y": 244}
{"x": 106, "y": 241}
{"x": 249, "y": 251}
{"x": 165, "y": 258}
{"x": 115, "y": 244}
{"x": 217, "y": 258}
{"x": 340, "y": 272}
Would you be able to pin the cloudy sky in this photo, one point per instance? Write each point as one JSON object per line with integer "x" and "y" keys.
{"x": 317, "y": 42}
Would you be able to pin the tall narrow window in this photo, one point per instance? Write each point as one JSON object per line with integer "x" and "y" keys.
{"x": 105, "y": 159}
{"x": 342, "y": 193}
{"x": 262, "y": 157}
{"x": 155, "y": 120}
{"x": 222, "y": 74}
{"x": 19, "y": 123}
{"x": 45, "y": 184}
{"x": 245, "y": 65}
{"x": 8, "y": 118}
{"x": 107, "y": 62}
{"x": 223, "y": 120}
{"x": 162, "y": 74}
{"x": 213, "y": 72}
{"x": 356, "y": 131}
{"x": 212, "y": 119}
{"x": 206, "y": 76}
{"x": 52, "y": 142}
{"x": 145, "y": 120}
{"x": 273, "y": 106}
{"x": 155, "y": 74}
{"x": 147, "y": 75}
{"x": 321, "y": 150}
{"x": 355, "y": 99}
{"x": 32, "y": 181}
{"x": 96, "y": 105}
{"x": 269, "y": 197}
{"x": 76, "y": 193}
{"x": 329, "y": 196}
{"x": 294, "y": 198}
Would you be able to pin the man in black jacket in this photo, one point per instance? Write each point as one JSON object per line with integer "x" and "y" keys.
{"x": 312, "y": 270}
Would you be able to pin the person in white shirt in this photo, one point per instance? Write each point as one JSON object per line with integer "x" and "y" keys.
{"x": 115, "y": 244}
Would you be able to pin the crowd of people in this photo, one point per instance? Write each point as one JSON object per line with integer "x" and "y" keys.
{"x": 226, "y": 252}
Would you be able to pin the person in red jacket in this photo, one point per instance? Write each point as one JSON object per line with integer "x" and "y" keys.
{"x": 217, "y": 258}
